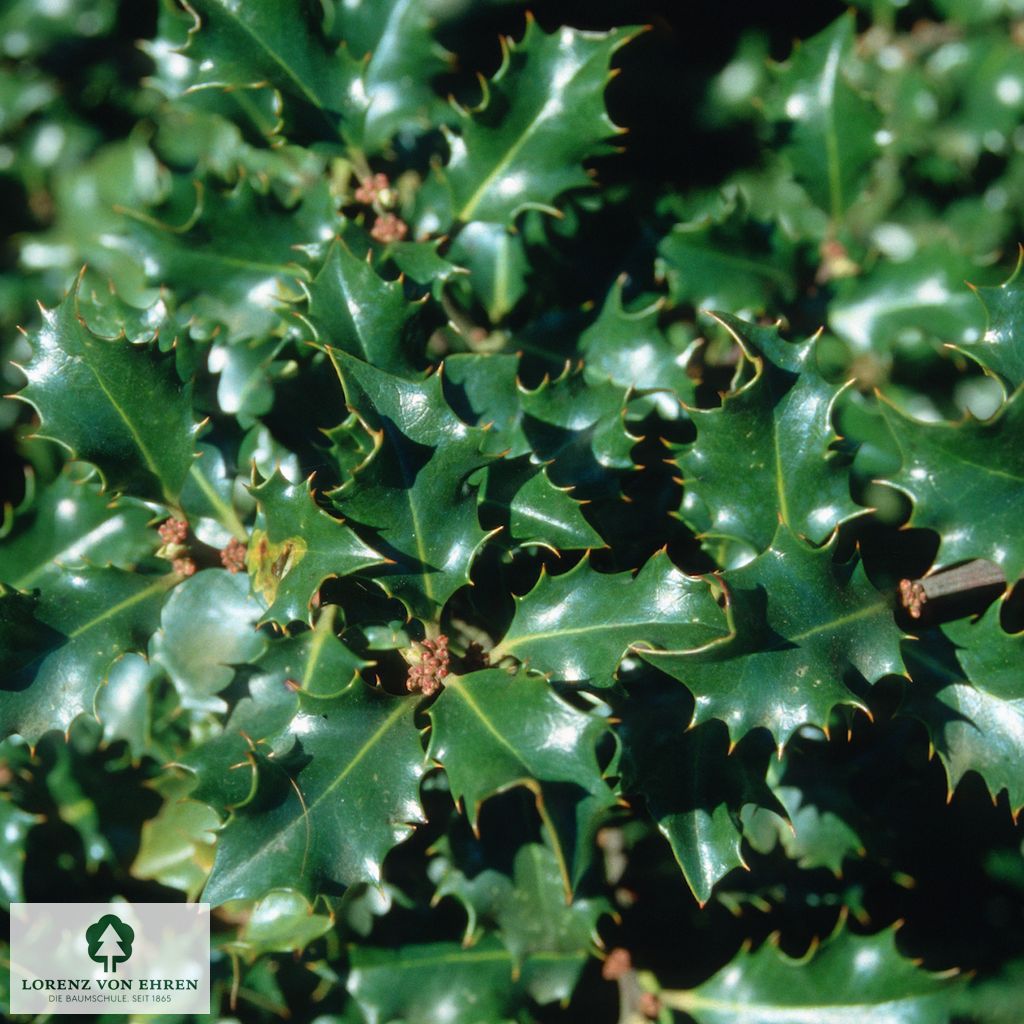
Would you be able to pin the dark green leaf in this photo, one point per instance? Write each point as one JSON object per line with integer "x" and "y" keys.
{"x": 805, "y": 633}
{"x": 413, "y": 491}
{"x": 849, "y": 978}
{"x": 118, "y": 405}
{"x": 326, "y": 817}
{"x": 578, "y": 626}
{"x": 492, "y": 731}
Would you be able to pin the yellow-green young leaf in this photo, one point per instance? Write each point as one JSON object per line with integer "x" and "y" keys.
{"x": 805, "y": 634}
{"x": 325, "y": 817}
{"x": 299, "y": 547}
{"x": 115, "y": 404}
{"x": 578, "y": 626}
{"x": 850, "y": 978}
{"x": 540, "y": 117}
{"x": 492, "y": 731}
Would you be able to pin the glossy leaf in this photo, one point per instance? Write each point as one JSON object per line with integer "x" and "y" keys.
{"x": 492, "y": 731}
{"x": 352, "y": 308}
{"x": 966, "y": 687}
{"x": 767, "y": 455}
{"x": 84, "y": 621}
{"x": 965, "y": 482}
{"x": 300, "y": 546}
{"x": 693, "y": 784}
{"x": 1000, "y": 350}
{"x": 325, "y": 818}
{"x": 578, "y": 626}
{"x": 207, "y": 627}
{"x": 805, "y": 634}
{"x": 118, "y": 405}
{"x": 832, "y": 140}
{"x": 71, "y": 524}
{"x": 516, "y": 150}
{"x": 413, "y": 491}
{"x": 849, "y": 978}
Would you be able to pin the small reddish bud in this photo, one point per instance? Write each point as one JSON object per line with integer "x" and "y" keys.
{"x": 616, "y": 964}
{"x": 371, "y": 188}
{"x": 173, "y": 531}
{"x": 427, "y": 673}
{"x": 232, "y": 557}
{"x": 184, "y": 566}
{"x": 649, "y": 1005}
{"x": 389, "y": 228}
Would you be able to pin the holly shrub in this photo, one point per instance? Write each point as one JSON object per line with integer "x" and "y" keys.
{"x": 505, "y": 505}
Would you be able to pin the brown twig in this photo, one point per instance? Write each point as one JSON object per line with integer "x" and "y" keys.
{"x": 976, "y": 575}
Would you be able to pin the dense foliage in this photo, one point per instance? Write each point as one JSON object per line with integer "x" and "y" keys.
{"x": 402, "y": 559}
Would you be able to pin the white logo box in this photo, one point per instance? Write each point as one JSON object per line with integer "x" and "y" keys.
{"x": 126, "y": 958}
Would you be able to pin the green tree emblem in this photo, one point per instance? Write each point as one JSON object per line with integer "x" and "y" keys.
{"x": 110, "y": 941}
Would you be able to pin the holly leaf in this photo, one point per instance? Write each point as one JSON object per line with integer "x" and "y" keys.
{"x": 123, "y": 705}
{"x": 897, "y": 306}
{"x": 496, "y": 260}
{"x": 723, "y": 260}
{"x": 850, "y": 977}
{"x": 413, "y": 490}
{"x": 1000, "y": 350}
{"x": 281, "y": 922}
{"x": 402, "y": 57}
{"x": 324, "y": 817}
{"x": 176, "y": 847}
{"x": 694, "y": 785}
{"x": 300, "y": 547}
{"x": 524, "y": 501}
{"x": 541, "y": 116}
{"x": 492, "y": 731}
{"x": 526, "y": 904}
{"x": 767, "y": 454}
{"x": 578, "y": 626}
{"x": 81, "y": 623}
{"x": 314, "y": 662}
{"x": 536, "y": 922}
{"x": 352, "y": 308}
{"x": 284, "y": 47}
{"x": 416, "y": 984}
{"x": 117, "y": 405}
{"x": 629, "y": 349}
{"x": 965, "y": 482}
{"x": 230, "y": 256}
{"x": 831, "y": 143}
{"x": 805, "y": 634}
{"x": 967, "y": 689}
{"x": 71, "y": 524}
{"x": 207, "y": 627}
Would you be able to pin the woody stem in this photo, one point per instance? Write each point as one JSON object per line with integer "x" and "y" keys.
{"x": 976, "y": 575}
